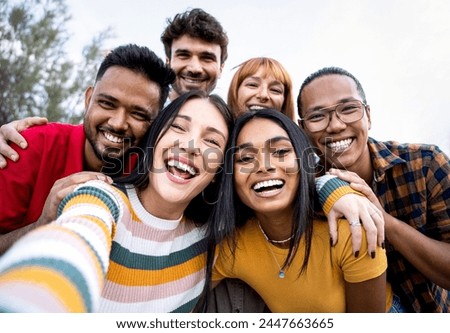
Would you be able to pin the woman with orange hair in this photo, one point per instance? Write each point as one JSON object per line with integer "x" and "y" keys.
{"x": 261, "y": 83}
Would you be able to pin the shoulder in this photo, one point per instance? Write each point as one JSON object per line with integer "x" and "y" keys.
{"x": 407, "y": 150}
{"x": 52, "y": 130}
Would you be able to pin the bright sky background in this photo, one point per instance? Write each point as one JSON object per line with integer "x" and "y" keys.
{"x": 398, "y": 49}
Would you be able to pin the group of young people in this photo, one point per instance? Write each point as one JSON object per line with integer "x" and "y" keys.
{"x": 206, "y": 191}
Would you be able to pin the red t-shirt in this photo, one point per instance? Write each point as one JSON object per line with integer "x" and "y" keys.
{"x": 54, "y": 151}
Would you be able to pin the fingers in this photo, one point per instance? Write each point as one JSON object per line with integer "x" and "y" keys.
{"x": 348, "y": 176}
{"x": 377, "y": 217}
{"x": 65, "y": 186}
{"x": 29, "y": 122}
{"x": 332, "y": 226}
{"x": 7, "y": 153}
{"x": 9, "y": 133}
{"x": 361, "y": 213}
{"x": 3, "y": 162}
{"x": 371, "y": 233}
{"x": 356, "y": 230}
{"x": 373, "y": 223}
{"x": 81, "y": 178}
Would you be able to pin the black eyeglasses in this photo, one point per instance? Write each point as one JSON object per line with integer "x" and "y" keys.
{"x": 347, "y": 112}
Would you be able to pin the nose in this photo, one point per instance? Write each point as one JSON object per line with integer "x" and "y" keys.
{"x": 194, "y": 65}
{"x": 265, "y": 163}
{"x": 263, "y": 94}
{"x": 118, "y": 121}
{"x": 189, "y": 146}
{"x": 334, "y": 123}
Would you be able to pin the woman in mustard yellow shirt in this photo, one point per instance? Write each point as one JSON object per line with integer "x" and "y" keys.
{"x": 270, "y": 237}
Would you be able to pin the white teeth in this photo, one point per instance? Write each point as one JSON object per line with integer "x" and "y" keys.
{"x": 182, "y": 166}
{"x": 339, "y": 145}
{"x": 256, "y": 107}
{"x": 113, "y": 138}
{"x": 267, "y": 183}
{"x": 192, "y": 80}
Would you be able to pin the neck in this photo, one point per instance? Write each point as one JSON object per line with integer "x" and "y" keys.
{"x": 276, "y": 227}
{"x": 363, "y": 167}
{"x": 159, "y": 207}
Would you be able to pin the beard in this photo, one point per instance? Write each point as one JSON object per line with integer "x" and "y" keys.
{"x": 180, "y": 87}
{"x": 112, "y": 158}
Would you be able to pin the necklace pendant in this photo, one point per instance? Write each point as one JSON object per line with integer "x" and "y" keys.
{"x": 281, "y": 274}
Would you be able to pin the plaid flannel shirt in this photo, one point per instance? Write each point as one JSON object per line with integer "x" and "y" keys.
{"x": 412, "y": 181}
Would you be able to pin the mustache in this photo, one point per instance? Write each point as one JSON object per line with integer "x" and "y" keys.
{"x": 194, "y": 75}
{"x": 119, "y": 133}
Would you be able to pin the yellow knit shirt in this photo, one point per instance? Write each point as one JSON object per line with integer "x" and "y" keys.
{"x": 320, "y": 289}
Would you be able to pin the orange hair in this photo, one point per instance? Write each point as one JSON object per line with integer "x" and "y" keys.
{"x": 270, "y": 67}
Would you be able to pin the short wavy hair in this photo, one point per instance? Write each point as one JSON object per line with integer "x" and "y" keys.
{"x": 195, "y": 23}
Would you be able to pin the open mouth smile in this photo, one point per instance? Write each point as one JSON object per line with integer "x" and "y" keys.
{"x": 268, "y": 186}
{"x": 257, "y": 107}
{"x": 339, "y": 146}
{"x": 112, "y": 138}
{"x": 181, "y": 170}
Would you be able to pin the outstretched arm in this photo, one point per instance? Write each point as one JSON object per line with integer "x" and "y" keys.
{"x": 61, "y": 267}
{"x": 10, "y": 133}
{"x": 60, "y": 189}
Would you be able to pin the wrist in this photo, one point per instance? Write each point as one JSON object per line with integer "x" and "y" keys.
{"x": 330, "y": 189}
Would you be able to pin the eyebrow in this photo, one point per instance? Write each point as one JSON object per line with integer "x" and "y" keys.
{"x": 204, "y": 53}
{"x": 269, "y": 142}
{"x": 209, "y": 128}
{"x": 252, "y": 77}
{"x": 277, "y": 139}
{"x": 133, "y": 106}
{"x": 342, "y": 100}
{"x": 260, "y": 78}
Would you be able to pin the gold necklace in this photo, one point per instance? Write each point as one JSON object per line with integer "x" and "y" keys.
{"x": 281, "y": 272}
{"x": 272, "y": 240}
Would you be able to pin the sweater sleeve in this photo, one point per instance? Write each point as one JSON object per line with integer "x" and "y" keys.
{"x": 61, "y": 267}
{"x": 330, "y": 189}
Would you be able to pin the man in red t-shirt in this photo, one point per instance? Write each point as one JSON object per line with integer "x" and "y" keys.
{"x": 130, "y": 88}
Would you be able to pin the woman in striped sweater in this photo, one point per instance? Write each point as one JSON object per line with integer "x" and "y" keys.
{"x": 142, "y": 236}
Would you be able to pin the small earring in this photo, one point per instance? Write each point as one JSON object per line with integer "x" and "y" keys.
{"x": 208, "y": 202}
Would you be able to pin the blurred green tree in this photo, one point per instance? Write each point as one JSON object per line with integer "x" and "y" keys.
{"x": 37, "y": 77}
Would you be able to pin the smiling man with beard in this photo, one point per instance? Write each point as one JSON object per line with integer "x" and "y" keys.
{"x": 131, "y": 86}
{"x": 196, "y": 48}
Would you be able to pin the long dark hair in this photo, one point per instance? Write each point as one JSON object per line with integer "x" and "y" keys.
{"x": 198, "y": 210}
{"x": 230, "y": 213}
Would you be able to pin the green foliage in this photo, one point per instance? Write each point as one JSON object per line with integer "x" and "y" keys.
{"x": 37, "y": 78}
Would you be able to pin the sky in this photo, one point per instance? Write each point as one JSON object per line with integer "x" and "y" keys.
{"x": 398, "y": 49}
